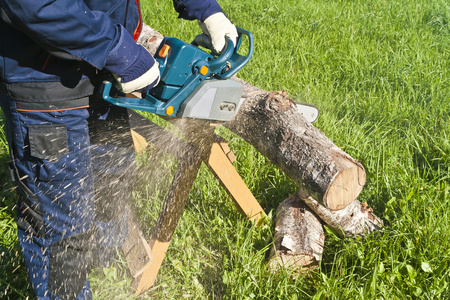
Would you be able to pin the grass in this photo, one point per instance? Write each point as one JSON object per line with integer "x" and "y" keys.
{"x": 380, "y": 72}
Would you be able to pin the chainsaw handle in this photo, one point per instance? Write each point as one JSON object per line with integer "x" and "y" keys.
{"x": 236, "y": 61}
{"x": 219, "y": 63}
{"x": 230, "y": 61}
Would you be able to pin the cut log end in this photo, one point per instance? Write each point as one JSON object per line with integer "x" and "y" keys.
{"x": 299, "y": 237}
{"x": 345, "y": 188}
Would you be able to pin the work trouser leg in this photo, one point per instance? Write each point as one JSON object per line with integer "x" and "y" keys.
{"x": 51, "y": 164}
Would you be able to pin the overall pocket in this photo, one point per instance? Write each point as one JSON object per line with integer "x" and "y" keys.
{"x": 48, "y": 142}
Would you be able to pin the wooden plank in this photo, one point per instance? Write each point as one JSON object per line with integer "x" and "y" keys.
{"x": 225, "y": 148}
{"x": 155, "y": 135}
{"x": 221, "y": 167}
{"x": 140, "y": 143}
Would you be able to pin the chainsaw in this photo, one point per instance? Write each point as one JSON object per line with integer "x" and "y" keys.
{"x": 194, "y": 83}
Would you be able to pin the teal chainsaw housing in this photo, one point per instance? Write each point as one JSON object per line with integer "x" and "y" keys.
{"x": 193, "y": 82}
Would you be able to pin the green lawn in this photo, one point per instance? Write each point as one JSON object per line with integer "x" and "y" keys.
{"x": 380, "y": 73}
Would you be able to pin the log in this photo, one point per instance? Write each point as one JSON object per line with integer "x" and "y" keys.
{"x": 356, "y": 220}
{"x": 271, "y": 123}
{"x": 299, "y": 237}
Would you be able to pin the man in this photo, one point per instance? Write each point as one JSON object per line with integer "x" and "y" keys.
{"x": 54, "y": 54}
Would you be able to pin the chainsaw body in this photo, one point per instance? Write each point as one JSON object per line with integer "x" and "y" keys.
{"x": 193, "y": 82}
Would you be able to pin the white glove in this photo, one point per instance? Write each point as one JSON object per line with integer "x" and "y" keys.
{"x": 144, "y": 82}
{"x": 132, "y": 65}
{"x": 215, "y": 28}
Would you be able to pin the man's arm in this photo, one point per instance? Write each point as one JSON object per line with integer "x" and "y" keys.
{"x": 213, "y": 22}
{"x": 196, "y": 9}
{"x": 70, "y": 26}
{"x": 67, "y": 25}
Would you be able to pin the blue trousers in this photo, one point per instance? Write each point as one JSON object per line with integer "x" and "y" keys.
{"x": 68, "y": 166}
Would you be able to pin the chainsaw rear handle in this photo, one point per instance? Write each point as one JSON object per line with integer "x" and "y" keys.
{"x": 230, "y": 61}
{"x": 222, "y": 62}
{"x": 237, "y": 61}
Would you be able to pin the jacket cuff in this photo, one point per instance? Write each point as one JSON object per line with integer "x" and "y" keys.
{"x": 196, "y": 9}
{"x": 127, "y": 59}
{"x": 125, "y": 50}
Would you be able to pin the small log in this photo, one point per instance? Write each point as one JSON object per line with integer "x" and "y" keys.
{"x": 356, "y": 220}
{"x": 299, "y": 237}
{"x": 271, "y": 123}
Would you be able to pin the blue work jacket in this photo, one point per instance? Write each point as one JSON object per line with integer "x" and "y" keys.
{"x": 54, "y": 49}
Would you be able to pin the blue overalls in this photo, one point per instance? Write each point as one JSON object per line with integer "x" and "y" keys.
{"x": 70, "y": 151}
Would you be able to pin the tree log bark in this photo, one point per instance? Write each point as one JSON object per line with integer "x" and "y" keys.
{"x": 271, "y": 123}
{"x": 356, "y": 220}
{"x": 299, "y": 237}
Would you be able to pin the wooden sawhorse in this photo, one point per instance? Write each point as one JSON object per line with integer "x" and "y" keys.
{"x": 145, "y": 258}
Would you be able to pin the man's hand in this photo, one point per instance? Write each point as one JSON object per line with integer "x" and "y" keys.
{"x": 133, "y": 66}
{"x": 215, "y": 28}
{"x": 144, "y": 82}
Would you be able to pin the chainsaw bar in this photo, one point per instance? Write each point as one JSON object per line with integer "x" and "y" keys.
{"x": 309, "y": 112}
